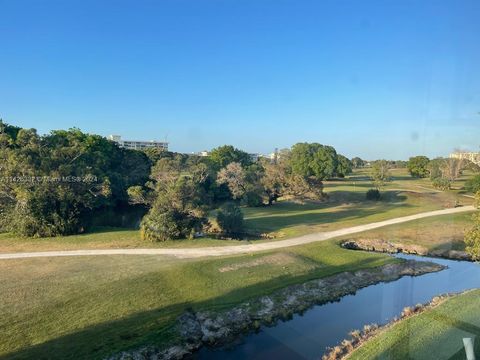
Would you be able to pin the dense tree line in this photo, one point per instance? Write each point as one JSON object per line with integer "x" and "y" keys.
{"x": 50, "y": 185}
{"x": 180, "y": 193}
{"x": 442, "y": 171}
{"x": 62, "y": 182}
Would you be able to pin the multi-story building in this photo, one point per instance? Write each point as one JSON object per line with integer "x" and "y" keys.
{"x": 138, "y": 145}
{"x": 472, "y": 156}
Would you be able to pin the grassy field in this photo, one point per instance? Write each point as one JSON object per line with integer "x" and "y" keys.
{"x": 435, "y": 334}
{"x": 436, "y": 233}
{"x": 89, "y": 307}
{"x": 346, "y": 207}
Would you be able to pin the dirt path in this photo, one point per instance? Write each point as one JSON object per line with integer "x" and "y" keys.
{"x": 240, "y": 249}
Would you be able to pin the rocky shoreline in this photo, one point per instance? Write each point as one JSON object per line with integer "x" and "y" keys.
{"x": 378, "y": 245}
{"x": 196, "y": 329}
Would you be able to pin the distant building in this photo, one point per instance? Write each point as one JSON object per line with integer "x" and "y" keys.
{"x": 203, "y": 153}
{"x": 465, "y": 155}
{"x": 138, "y": 145}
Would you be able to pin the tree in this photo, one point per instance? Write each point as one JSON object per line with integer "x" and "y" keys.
{"x": 176, "y": 212}
{"x": 473, "y": 184}
{"x": 234, "y": 176}
{"x": 358, "y": 162}
{"x": 380, "y": 173}
{"x": 344, "y": 166}
{"x": 230, "y": 219}
{"x": 452, "y": 168}
{"x": 441, "y": 183}
{"x": 418, "y": 166}
{"x": 274, "y": 180}
{"x": 155, "y": 154}
{"x": 224, "y": 155}
{"x": 472, "y": 238}
{"x": 58, "y": 183}
{"x": 324, "y": 163}
{"x": 434, "y": 168}
{"x": 314, "y": 159}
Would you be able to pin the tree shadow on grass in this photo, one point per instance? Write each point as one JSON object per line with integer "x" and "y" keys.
{"x": 357, "y": 184}
{"x": 157, "y": 326}
{"x": 281, "y": 220}
{"x": 388, "y": 196}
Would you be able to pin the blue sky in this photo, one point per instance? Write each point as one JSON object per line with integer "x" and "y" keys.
{"x": 377, "y": 79}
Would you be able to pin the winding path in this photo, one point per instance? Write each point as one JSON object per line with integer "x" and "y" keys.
{"x": 239, "y": 249}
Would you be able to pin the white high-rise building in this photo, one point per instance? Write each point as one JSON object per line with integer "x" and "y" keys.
{"x": 138, "y": 145}
{"x": 472, "y": 156}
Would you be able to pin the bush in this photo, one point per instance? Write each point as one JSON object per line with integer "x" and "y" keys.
{"x": 230, "y": 219}
{"x": 169, "y": 225}
{"x": 473, "y": 184}
{"x": 252, "y": 199}
{"x": 373, "y": 194}
{"x": 441, "y": 183}
{"x": 472, "y": 238}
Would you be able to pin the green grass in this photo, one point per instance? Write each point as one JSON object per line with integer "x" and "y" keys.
{"x": 444, "y": 232}
{"x": 346, "y": 207}
{"x": 100, "y": 238}
{"x": 435, "y": 334}
{"x": 89, "y": 307}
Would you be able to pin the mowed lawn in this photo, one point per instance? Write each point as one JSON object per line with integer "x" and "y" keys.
{"x": 444, "y": 232}
{"x": 435, "y": 334}
{"x": 345, "y": 207}
{"x": 90, "y": 307}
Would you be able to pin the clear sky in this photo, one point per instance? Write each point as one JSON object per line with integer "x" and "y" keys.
{"x": 378, "y": 79}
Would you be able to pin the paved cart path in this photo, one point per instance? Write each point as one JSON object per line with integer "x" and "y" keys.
{"x": 239, "y": 249}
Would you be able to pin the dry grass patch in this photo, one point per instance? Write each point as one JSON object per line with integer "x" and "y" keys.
{"x": 275, "y": 259}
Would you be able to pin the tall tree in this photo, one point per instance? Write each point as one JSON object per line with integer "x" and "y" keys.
{"x": 380, "y": 173}
{"x": 53, "y": 183}
{"x": 224, "y": 155}
{"x": 418, "y": 166}
{"x": 176, "y": 198}
{"x": 314, "y": 159}
{"x": 452, "y": 168}
{"x": 358, "y": 162}
{"x": 234, "y": 176}
{"x": 344, "y": 166}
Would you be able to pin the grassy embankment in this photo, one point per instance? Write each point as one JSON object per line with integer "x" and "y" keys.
{"x": 89, "y": 307}
{"x": 436, "y": 233}
{"x": 435, "y": 334}
{"x": 346, "y": 207}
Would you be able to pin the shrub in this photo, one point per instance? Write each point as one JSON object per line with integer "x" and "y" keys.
{"x": 252, "y": 199}
{"x": 230, "y": 219}
{"x": 472, "y": 238}
{"x": 373, "y": 194}
{"x": 169, "y": 225}
{"x": 473, "y": 184}
{"x": 441, "y": 183}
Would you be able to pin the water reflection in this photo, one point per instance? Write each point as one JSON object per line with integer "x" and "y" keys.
{"x": 307, "y": 336}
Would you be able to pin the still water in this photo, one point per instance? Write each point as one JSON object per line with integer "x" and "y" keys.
{"x": 307, "y": 336}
